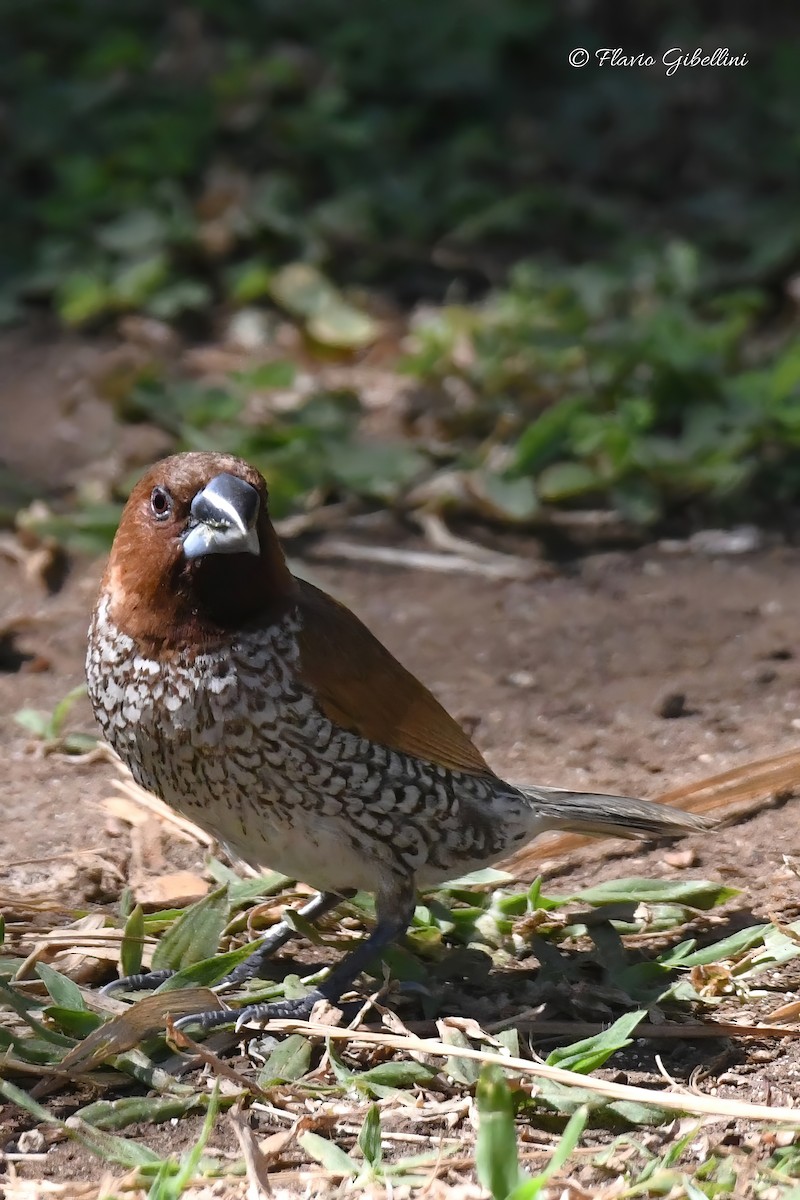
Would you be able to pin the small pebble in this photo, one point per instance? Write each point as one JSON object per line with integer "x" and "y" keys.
{"x": 680, "y": 858}
{"x": 31, "y": 1141}
{"x": 716, "y": 543}
{"x": 672, "y": 705}
{"x": 744, "y": 539}
{"x": 521, "y": 679}
{"x": 250, "y": 329}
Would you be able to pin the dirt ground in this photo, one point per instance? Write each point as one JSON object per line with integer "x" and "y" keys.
{"x": 563, "y": 680}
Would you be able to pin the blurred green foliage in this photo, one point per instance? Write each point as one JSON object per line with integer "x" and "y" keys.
{"x": 584, "y": 388}
{"x": 624, "y": 389}
{"x": 161, "y": 157}
{"x": 311, "y": 453}
{"x": 609, "y": 242}
{"x": 314, "y": 447}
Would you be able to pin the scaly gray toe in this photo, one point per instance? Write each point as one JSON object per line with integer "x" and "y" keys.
{"x": 147, "y": 982}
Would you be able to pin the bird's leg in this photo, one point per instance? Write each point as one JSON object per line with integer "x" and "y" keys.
{"x": 280, "y": 934}
{"x": 395, "y": 908}
{"x": 277, "y": 937}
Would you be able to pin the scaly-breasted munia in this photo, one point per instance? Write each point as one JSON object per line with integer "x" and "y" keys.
{"x": 264, "y": 711}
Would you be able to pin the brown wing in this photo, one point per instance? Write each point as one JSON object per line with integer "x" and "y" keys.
{"x": 363, "y": 688}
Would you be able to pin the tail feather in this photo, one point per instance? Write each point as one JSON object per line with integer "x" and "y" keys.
{"x": 612, "y": 816}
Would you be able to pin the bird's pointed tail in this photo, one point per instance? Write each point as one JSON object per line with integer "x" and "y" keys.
{"x": 611, "y": 816}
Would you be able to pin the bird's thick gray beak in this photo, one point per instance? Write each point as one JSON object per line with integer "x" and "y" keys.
{"x": 223, "y": 519}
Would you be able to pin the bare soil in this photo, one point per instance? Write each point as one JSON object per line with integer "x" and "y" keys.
{"x": 563, "y": 680}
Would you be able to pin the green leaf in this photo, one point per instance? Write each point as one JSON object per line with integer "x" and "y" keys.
{"x": 191, "y": 1161}
{"x": 250, "y": 281}
{"x": 132, "y": 945}
{"x": 502, "y": 498}
{"x": 77, "y": 743}
{"x": 638, "y": 501}
{"x": 132, "y": 1110}
{"x": 90, "y": 528}
{"x": 137, "y": 231}
{"x": 369, "y": 1139}
{"x": 529, "y": 1189}
{"x": 729, "y": 947}
{"x": 62, "y": 709}
{"x": 48, "y": 726}
{"x": 106, "y": 1145}
{"x": 653, "y": 919}
{"x": 36, "y": 722}
{"x": 77, "y": 1022}
{"x": 696, "y": 893}
{"x": 302, "y": 290}
{"x": 208, "y": 971}
{"x": 379, "y": 470}
{"x": 136, "y": 282}
{"x": 476, "y": 878}
{"x": 634, "y": 1113}
{"x": 590, "y": 1053}
{"x": 244, "y": 891}
{"x": 462, "y": 1070}
{"x": 683, "y": 265}
{"x": 342, "y": 326}
{"x": 547, "y": 436}
{"x": 81, "y": 297}
{"x": 293, "y": 987}
{"x": 566, "y": 480}
{"x": 328, "y": 1155}
{"x": 21, "y": 1005}
{"x": 510, "y": 1039}
{"x": 567, "y": 1099}
{"x": 195, "y": 935}
{"x": 187, "y": 295}
{"x": 535, "y": 900}
{"x": 290, "y": 1060}
{"x": 279, "y": 374}
{"x": 496, "y": 1156}
{"x": 344, "y": 1076}
{"x": 135, "y": 1063}
{"x": 398, "y": 1075}
{"x": 27, "y": 1103}
{"x": 30, "y": 1049}
{"x": 306, "y": 294}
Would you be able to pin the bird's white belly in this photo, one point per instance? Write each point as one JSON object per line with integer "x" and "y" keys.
{"x": 275, "y": 824}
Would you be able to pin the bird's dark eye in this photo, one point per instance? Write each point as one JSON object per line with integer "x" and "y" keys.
{"x": 160, "y": 503}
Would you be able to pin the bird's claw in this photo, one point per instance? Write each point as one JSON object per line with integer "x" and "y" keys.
{"x": 146, "y": 982}
{"x": 283, "y": 1010}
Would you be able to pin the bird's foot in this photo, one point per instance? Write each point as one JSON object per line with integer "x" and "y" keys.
{"x": 275, "y": 939}
{"x": 283, "y": 1010}
{"x": 147, "y": 982}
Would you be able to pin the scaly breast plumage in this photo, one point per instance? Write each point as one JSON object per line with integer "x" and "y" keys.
{"x": 232, "y": 740}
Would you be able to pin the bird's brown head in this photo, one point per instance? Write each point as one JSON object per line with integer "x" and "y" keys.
{"x": 195, "y": 556}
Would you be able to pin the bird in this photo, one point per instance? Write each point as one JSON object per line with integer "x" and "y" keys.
{"x": 263, "y": 710}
